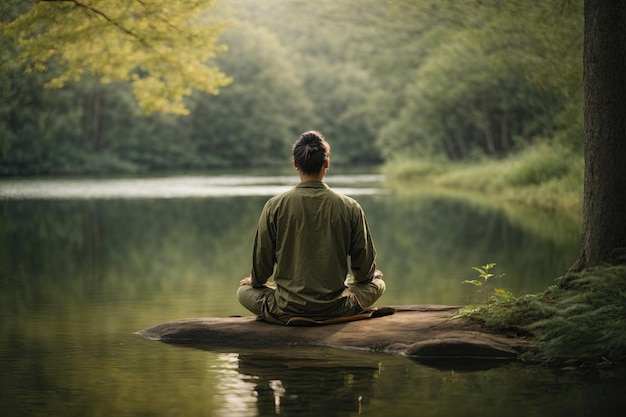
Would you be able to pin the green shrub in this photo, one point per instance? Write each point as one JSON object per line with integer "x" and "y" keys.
{"x": 580, "y": 321}
{"x": 539, "y": 164}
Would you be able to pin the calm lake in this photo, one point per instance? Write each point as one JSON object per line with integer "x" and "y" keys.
{"x": 85, "y": 263}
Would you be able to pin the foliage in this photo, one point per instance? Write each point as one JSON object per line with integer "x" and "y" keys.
{"x": 163, "y": 48}
{"x": 484, "y": 284}
{"x": 253, "y": 121}
{"x": 583, "y": 322}
{"x": 543, "y": 175}
{"x": 542, "y": 163}
{"x": 345, "y": 98}
{"x": 345, "y": 101}
{"x": 485, "y": 76}
{"x": 437, "y": 80}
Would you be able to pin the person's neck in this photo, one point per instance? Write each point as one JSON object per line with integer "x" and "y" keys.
{"x": 312, "y": 177}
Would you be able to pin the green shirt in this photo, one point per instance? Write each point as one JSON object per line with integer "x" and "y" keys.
{"x": 305, "y": 240}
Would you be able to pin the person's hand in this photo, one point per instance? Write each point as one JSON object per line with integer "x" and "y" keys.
{"x": 246, "y": 281}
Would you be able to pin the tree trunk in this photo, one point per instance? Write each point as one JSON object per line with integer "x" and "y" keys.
{"x": 504, "y": 132}
{"x": 449, "y": 147}
{"x": 489, "y": 139}
{"x": 93, "y": 118}
{"x": 462, "y": 145}
{"x": 604, "y": 204}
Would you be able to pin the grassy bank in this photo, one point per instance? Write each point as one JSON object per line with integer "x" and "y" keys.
{"x": 582, "y": 322}
{"x": 541, "y": 176}
{"x": 579, "y": 322}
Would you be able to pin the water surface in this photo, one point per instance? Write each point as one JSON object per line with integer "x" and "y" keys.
{"x": 86, "y": 263}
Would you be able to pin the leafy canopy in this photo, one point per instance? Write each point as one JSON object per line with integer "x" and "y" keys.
{"x": 162, "y": 47}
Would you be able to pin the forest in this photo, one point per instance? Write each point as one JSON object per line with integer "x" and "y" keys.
{"x": 487, "y": 96}
{"x": 385, "y": 81}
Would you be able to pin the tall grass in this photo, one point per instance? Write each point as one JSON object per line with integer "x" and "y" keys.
{"x": 543, "y": 176}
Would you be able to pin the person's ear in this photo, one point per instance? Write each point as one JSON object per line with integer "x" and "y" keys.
{"x": 327, "y": 163}
{"x": 295, "y": 164}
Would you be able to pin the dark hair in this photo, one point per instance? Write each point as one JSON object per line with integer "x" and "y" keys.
{"x": 310, "y": 152}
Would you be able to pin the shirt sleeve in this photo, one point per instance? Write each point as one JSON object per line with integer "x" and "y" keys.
{"x": 362, "y": 251}
{"x": 263, "y": 253}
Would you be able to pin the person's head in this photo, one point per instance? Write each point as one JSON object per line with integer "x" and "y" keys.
{"x": 311, "y": 153}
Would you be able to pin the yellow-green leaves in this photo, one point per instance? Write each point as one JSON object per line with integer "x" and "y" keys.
{"x": 483, "y": 274}
{"x": 164, "y": 48}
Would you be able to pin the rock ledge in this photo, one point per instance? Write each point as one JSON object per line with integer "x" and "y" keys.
{"x": 418, "y": 331}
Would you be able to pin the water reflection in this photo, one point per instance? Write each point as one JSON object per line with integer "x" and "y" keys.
{"x": 321, "y": 382}
{"x": 79, "y": 275}
{"x": 300, "y": 382}
{"x": 95, "y": 250}
{"x": 235, "y": 393}
{"x": 430, "y": 244}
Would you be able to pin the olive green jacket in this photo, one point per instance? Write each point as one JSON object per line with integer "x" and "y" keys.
{"x": 304, "y": 239}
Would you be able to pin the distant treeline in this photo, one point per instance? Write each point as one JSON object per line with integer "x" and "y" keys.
{"x": 382, "y": 80}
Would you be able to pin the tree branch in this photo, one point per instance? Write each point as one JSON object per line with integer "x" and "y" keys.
{"x": 105, "y": 17}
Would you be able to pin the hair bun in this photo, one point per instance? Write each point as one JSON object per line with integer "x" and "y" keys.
{"x": 310, "y": 151}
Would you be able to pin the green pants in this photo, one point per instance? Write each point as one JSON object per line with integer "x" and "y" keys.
{"x": 365, "y": 294}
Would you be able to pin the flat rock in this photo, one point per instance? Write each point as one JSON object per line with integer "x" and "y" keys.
{"x": 418, "y": 331}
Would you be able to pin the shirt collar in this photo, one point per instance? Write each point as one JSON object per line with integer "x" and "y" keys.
{"x": 312, "y": 184}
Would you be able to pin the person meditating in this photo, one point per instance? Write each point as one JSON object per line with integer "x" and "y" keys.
{"x": 306, "y": 241}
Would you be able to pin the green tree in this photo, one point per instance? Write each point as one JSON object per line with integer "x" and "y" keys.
{"x": 254, "y": 120}
{"x": 163, "y": 48}
{"x": 483, "y": 76}
{"x": 348, "y": 104}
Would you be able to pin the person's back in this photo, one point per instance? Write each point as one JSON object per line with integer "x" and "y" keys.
{"x": 315, "y": 230}
{"x": 303, "y": 242}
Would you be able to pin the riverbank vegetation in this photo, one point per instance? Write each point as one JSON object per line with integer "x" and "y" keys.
{"x": 457, "y": 81}
{"x": 482, "y": 99}
{"x": 543, "y": 176}
{"x": 581, "y": 323}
